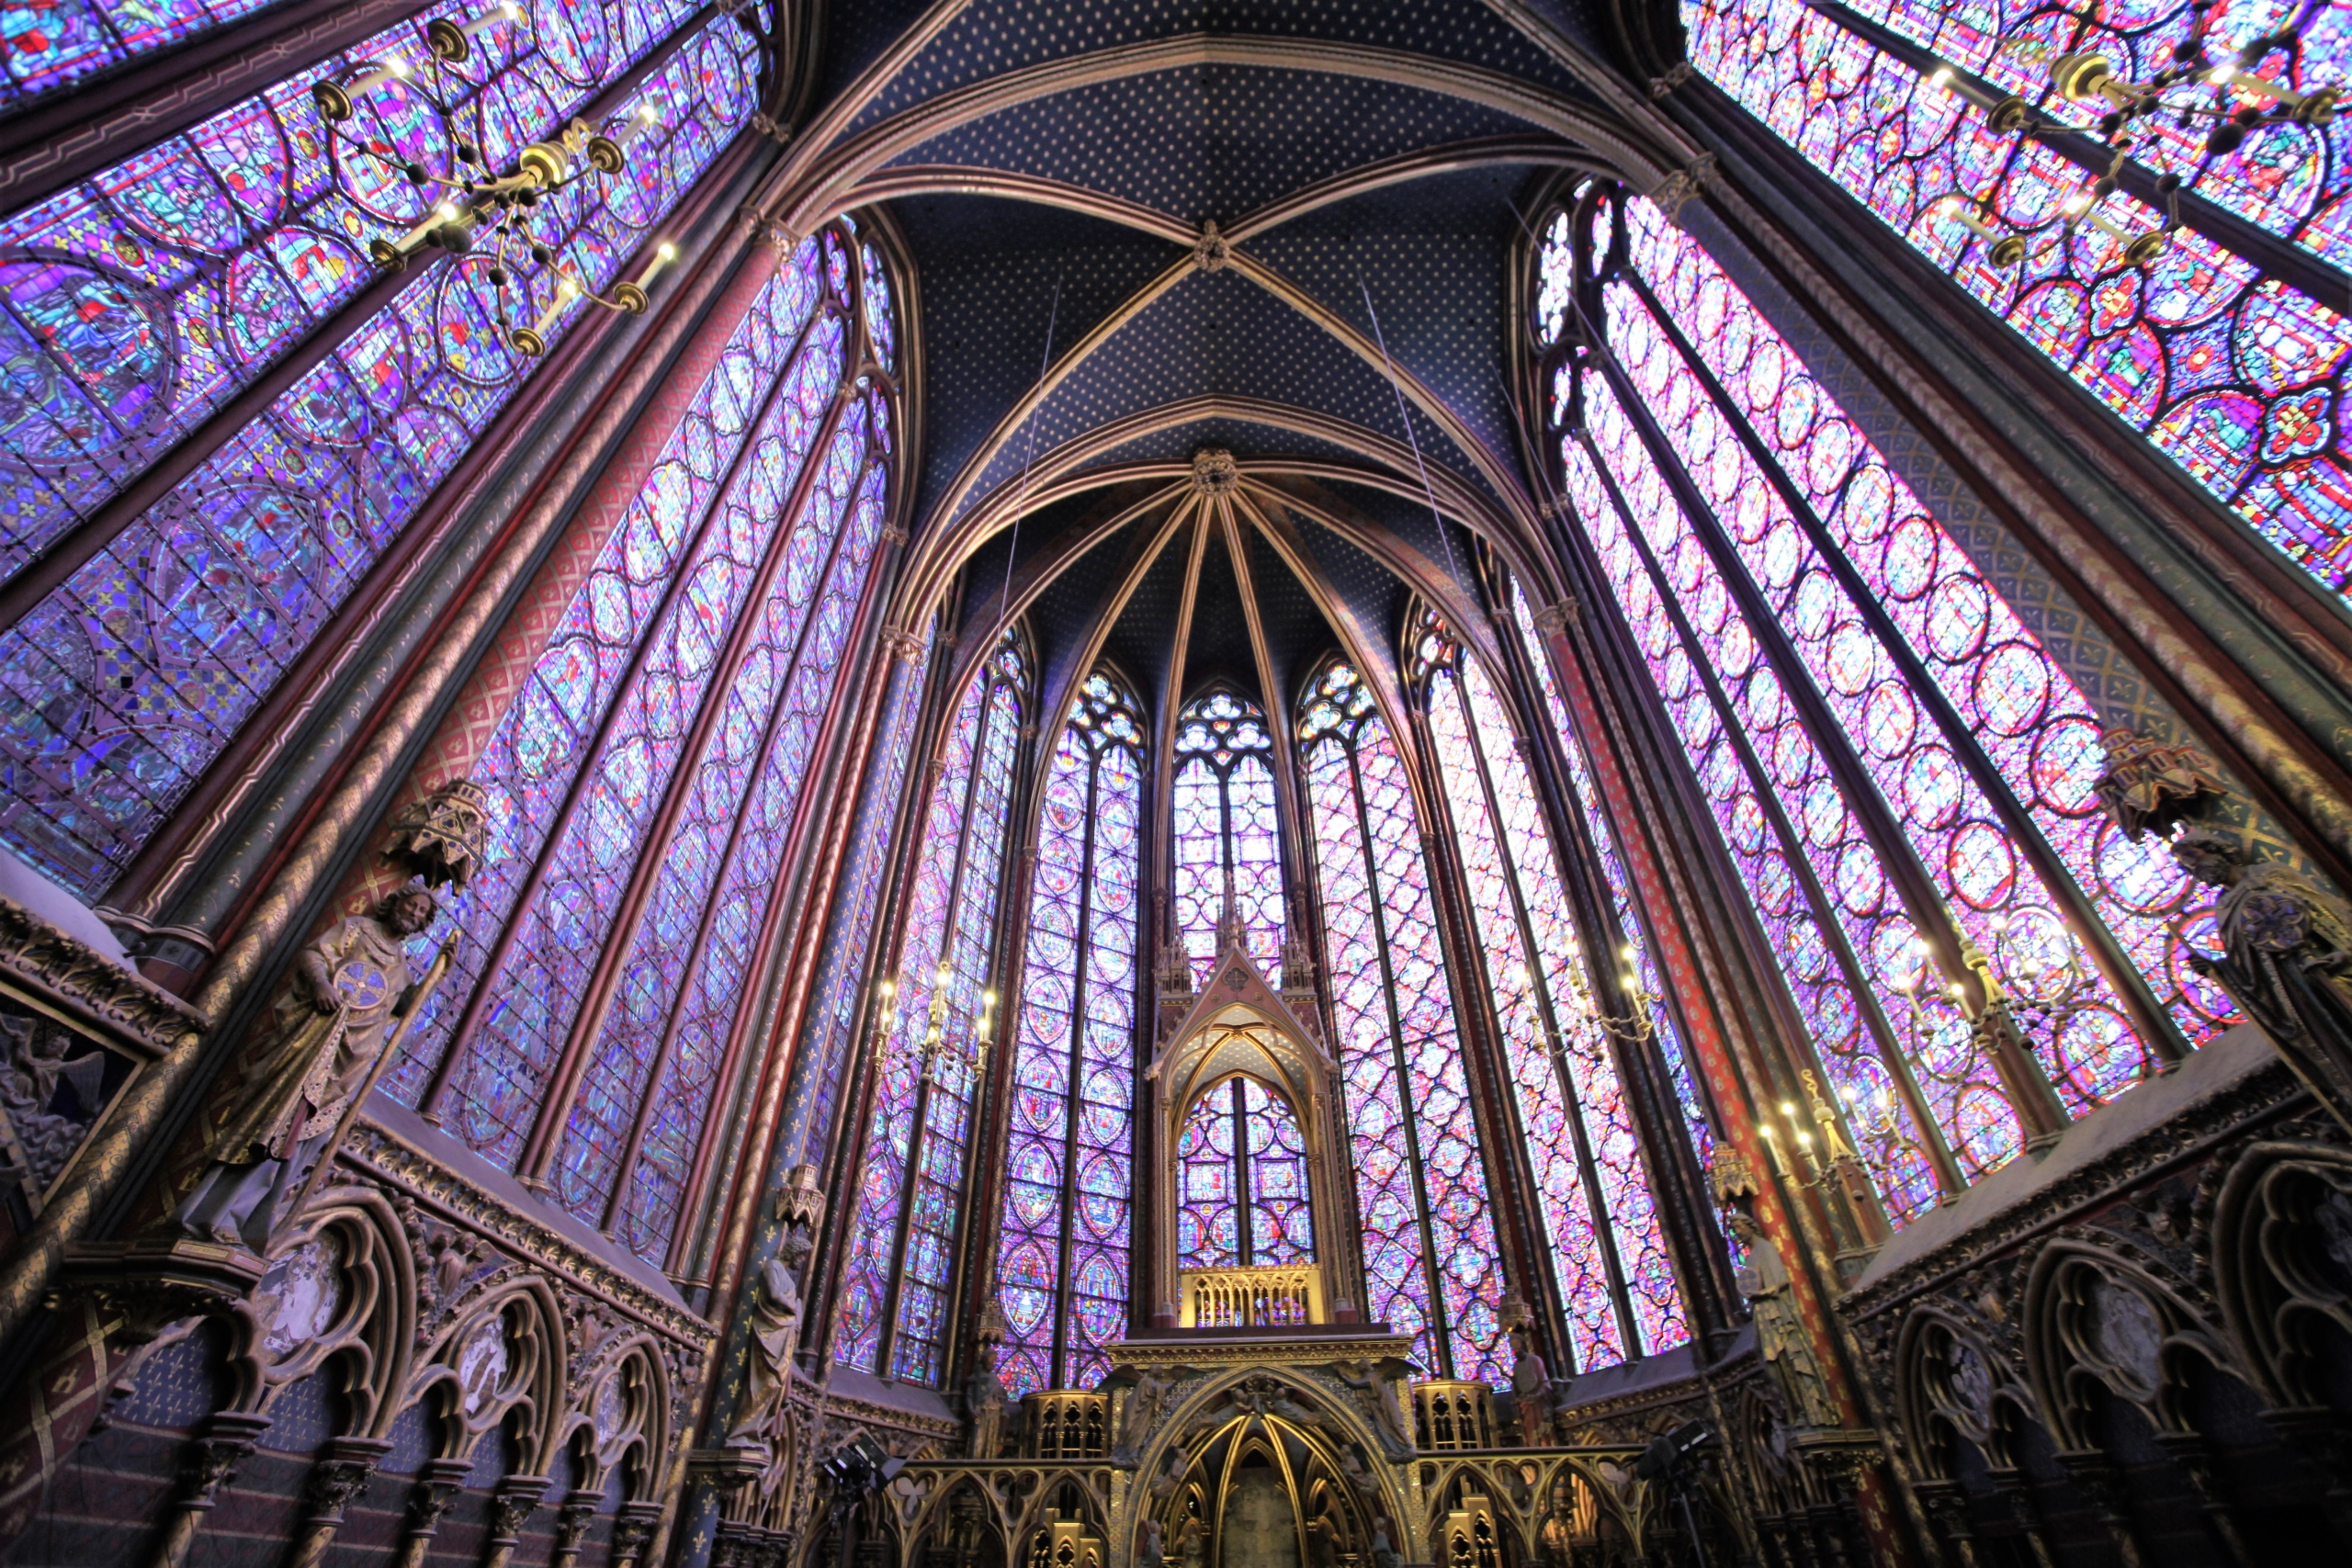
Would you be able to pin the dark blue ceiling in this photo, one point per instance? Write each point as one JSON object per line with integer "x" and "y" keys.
{"x": 1415, "y": 267}
{"x": 1226, "y": 141}
{"x": 994, "y": 38}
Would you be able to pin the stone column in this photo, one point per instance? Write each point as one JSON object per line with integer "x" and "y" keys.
{"x": 210, "y": 1464}
{"x": 342, "y": 1469}
{"x": 437, "y": 1488}
{"x": 517, "y": 1498}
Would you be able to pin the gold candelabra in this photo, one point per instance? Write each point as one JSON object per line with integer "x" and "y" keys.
{"x": 478, "y": 208}
{"x": 2191, "y": 87}
{"x": 933, "y": 1051}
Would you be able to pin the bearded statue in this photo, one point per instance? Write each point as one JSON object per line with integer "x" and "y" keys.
{"x": 331, "y": 1020}
{"x": 2286, "y": 960}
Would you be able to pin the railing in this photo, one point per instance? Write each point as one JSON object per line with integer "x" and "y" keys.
{"x": 1450, "y": 1413}
{"x": 1066, "y": 1423}
{"x": 1275, "y": 1295}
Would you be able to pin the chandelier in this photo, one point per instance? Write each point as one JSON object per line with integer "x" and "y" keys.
{"x": 2193, "y": 88}
{"x": 479, "y": 210}
{"x": 932, "y": 1053}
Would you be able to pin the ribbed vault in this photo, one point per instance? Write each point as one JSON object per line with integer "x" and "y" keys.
{"x": 1141, "y": 232}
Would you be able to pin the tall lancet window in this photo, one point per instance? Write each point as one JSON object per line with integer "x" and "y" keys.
{"x": 1901, "y": 770}
{"x": 1062, "y": 1259}
{"x": 1432, "y": 1268}
{"x": 139, "y": 303}
{"x": 1241, "y": 1196}
{"x": 644, "y": 783}
{"x": 1226, "y": 835}
{"x": 940, "y": 1013}
{"x": 2222, "y": 340}
{"x": 1616, "y": 1279}
{"x": 1633, "y": 950}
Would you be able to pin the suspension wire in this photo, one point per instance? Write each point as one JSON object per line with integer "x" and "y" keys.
{"x": 1453, "y": 567}
{"x": 1020, "y": 496}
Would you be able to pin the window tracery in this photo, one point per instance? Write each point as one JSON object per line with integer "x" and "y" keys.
{"x": 2227, "y": 371}
{"x": 1615, "y": 1277}
{"x": 939, "y": 1009}
{"x": 139, "y": 302}
{"x": 1227, "y": 830}
{"x": 1431, "y": 1264}
{"x": 1634, "y": 951}
{"x": 1241, "y": 1193}
{"x": 1901, "y": 770}
{"x": 1063, "y": 1248}
{"x": 643, "y": 786}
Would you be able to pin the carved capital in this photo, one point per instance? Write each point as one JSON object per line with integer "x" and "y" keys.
{"x": 782, "y": 135}
{"x": 437, "y": 1488}
{"x": 212, "y": 1459}
{"x": 341, "y": 1472}
{"x": 1558, "y": 618}
{"x": 1676, "y": 75}
{"x": 1682, "y": 186}
{"x": 516, "y": 1500}
{"x": 633, "y": 1532}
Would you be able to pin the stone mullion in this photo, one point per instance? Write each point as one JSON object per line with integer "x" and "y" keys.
{"x": 2039, "y": 1114}
{"x": 1523, "y": 1236}
{"x": 1604, "y": 1231}
{"x": 1833, "y": 935}
{"x": 572, "y": 1063}
{"x": 844, "y": 1162}
{"x": 437, "y": 587}
{"x": 72, "y": 131}
{"x": 2248, "y": 650}
{"x": 983, "y": 1160}
{"x": 2162, "y": 1033}
{"x": 784, "y": 949}
{"x": 469, "y": 1022}
{"x": 1665, "y": 1141}
{"x": 104, "y": 523}
{"x": 1082, "y": 949}
{"x": 1678, "y": 868}
{"x": 919, "y": 1127}
{"x": 1440, "y": 1326}
{"x": 1339, "y": 1238}
{"x": 804, "y": 811}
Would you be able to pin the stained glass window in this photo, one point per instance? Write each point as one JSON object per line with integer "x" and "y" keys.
{"x": 2231, "y": 371}
{"x": 1062, "y": 1258}
{"x": 597, "y": 992}
{"x": 940, "y": 1012}
{"x": 1241, "y": 1197}
{"x": 1227, "y": 843}
{"x": 141, "y": 301}
{"x": 849, "y": 938}
{"x": 46, "y": 44}
{"x": 1615, "y": 1277}
{"x": 1815, "y": 630}
{"x": 1431, "y": 1265}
